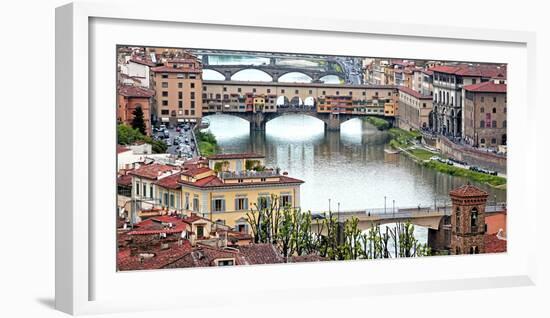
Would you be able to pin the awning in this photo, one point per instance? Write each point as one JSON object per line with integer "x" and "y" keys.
{"x": 165, "y": 119}
{"x": 181, "y": 120}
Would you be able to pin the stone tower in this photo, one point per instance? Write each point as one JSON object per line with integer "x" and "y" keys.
{"x": 468, "y": 220}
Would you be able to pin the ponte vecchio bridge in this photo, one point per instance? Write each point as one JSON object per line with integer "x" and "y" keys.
{"x": 260, "y": 102}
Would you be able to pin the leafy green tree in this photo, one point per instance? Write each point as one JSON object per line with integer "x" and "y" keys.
{"x": 127, "y": 135}
{"x": 138, "y": 122}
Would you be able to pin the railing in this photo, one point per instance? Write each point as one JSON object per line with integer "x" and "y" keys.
{"x": 248, "y": 174}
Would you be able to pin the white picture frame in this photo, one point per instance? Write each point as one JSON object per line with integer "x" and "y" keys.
{"x": 84, "y": 34}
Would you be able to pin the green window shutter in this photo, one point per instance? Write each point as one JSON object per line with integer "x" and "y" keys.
{"x": 245, "y": 203}
{"x": 223, "y": 205}
{"x": 213, "y": 203}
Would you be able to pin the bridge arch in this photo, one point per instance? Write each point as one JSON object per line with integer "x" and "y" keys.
{"x": 331, "y": 79}
{"x": 310, "y": 101}
{"x": 291, "y": 76}
{"x": 296, "y": 101}
{"x": 252, "y": 74}
{"x": 282, "y": 101}
{"x": 212, "y": 75}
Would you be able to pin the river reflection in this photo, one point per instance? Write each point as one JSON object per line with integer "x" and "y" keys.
{"x": 349, "y": 166}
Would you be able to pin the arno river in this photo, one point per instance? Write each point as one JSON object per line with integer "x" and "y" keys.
{"x": 349, "y": 166}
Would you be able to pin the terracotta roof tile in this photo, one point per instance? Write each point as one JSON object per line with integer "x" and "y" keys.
{"x": 414, "y": 93}
{"x": 468, "y": 190}
{"x": 152, "y": 171}
{"x": 135, "y": 91}
{"x": 494, "y": 244}
{"x": 486, "y": 87}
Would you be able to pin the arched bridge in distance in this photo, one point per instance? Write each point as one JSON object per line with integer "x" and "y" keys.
{"x": 276, "y": 71}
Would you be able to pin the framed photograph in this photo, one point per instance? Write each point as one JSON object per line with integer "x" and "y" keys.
{"x": 194, "y": 149}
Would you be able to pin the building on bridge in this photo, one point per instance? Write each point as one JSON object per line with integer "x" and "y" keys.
{"x": 332, "y": 103}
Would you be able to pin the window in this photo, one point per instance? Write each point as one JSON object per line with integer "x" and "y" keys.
{"x": 296, "y": 92}
{"x": 164, "y": 112}
{"x": 494, "y": 124}
{"x": 225, "y": 89}
{"x": 282, "y": 91}
{"x": 151, "y": 191}
{"x": 389, "y": 93}
{"x": 474, "y": 81}
{"x": 137, "y": 188}
{"x": 192, "y": 104}
{"x": 263, "y": 202}
{"x": 144, "y": 190}
{"x": 226, "y": 262}
{"x": 474, "y": 250}
{"x": 324, "y": 93}
{"x": 164, "y": 75}
{"x": 254, "y": 90}
{"x": 180, "y": 95}
{"x": 172, "y": 201}
{"x": 239, "y": 89}
{"x": 192, "y": 85}
{"x": 337, "y": 92}
{"x": 204, "y": 88}
{"x": 494, "y": 99}
{"x": 164, "y": 84}
{"x": 165, "y": 198}
{"x": 192, "y": 95}
{"x": 457, "y": 219}
{"x": 493, "y": 141}
{"x": 241, "y": 204}
{"x": 482, "y": 110}
{"x": 494, "y": 110}
{"x": 482, "y": 141}
{"x": 200, "y": 231}
{"x": 196, "y": 203}
{"x": 164, "y": 94}
{"x": 179, "y": 74}
{"x": 241, "y": 228}
{"x": 504, "y": 124}
{"x": 473, "y": 220}
{"x": 180, "y": 85}
{"x": 286, "y": 200}
{"x": 482, "y": 124}
{"x": 218, "y": 205}
{"x": 180, "y": 104}
{"x": 482, "y": 99}
{"x": 350, "y": 93}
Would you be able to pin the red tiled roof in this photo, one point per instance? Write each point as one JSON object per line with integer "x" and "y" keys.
{"x": 468, "y": 190}
{"x": 171, "y": 69}
{"x": 135, "y": 91}
{"x": 486, "y": 87}
{"x": 155, "y": 226}
{"x": 125, "y": 180}
{"x": 121, "y": 149}
{"x": 152, "y": 171}
{"x": 203, "y": 256}
{"x": 489, "y": 71}
{"x": 494, "y": 244}
{"x": 143, "y": 62}
{"x": 261, "y": 254}
{"x": 192, "y": 171}
{"x": 170, "y": 182}
{"x": 193, "y": 218}
{"x": 414, "y": 93}
{"x": 246, "y": 155}
{"x": 125, "y": 261}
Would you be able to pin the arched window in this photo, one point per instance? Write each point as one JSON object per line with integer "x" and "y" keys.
{"x": 482, "y": 110}
{"x": 457, "y": 219}
{"x": 473, "y": 220}
{"x": 494, "y": 110}
{"x": 482, "y": 141}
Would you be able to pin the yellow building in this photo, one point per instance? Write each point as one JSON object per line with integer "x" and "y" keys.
{"x": 227, "y": 196}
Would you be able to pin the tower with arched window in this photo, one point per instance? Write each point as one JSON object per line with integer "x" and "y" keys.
{"x": 468, "y": 220}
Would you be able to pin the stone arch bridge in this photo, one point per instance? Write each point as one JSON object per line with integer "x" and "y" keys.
{"x": 258, "y": 120}
{"x": 275, "y": 71}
